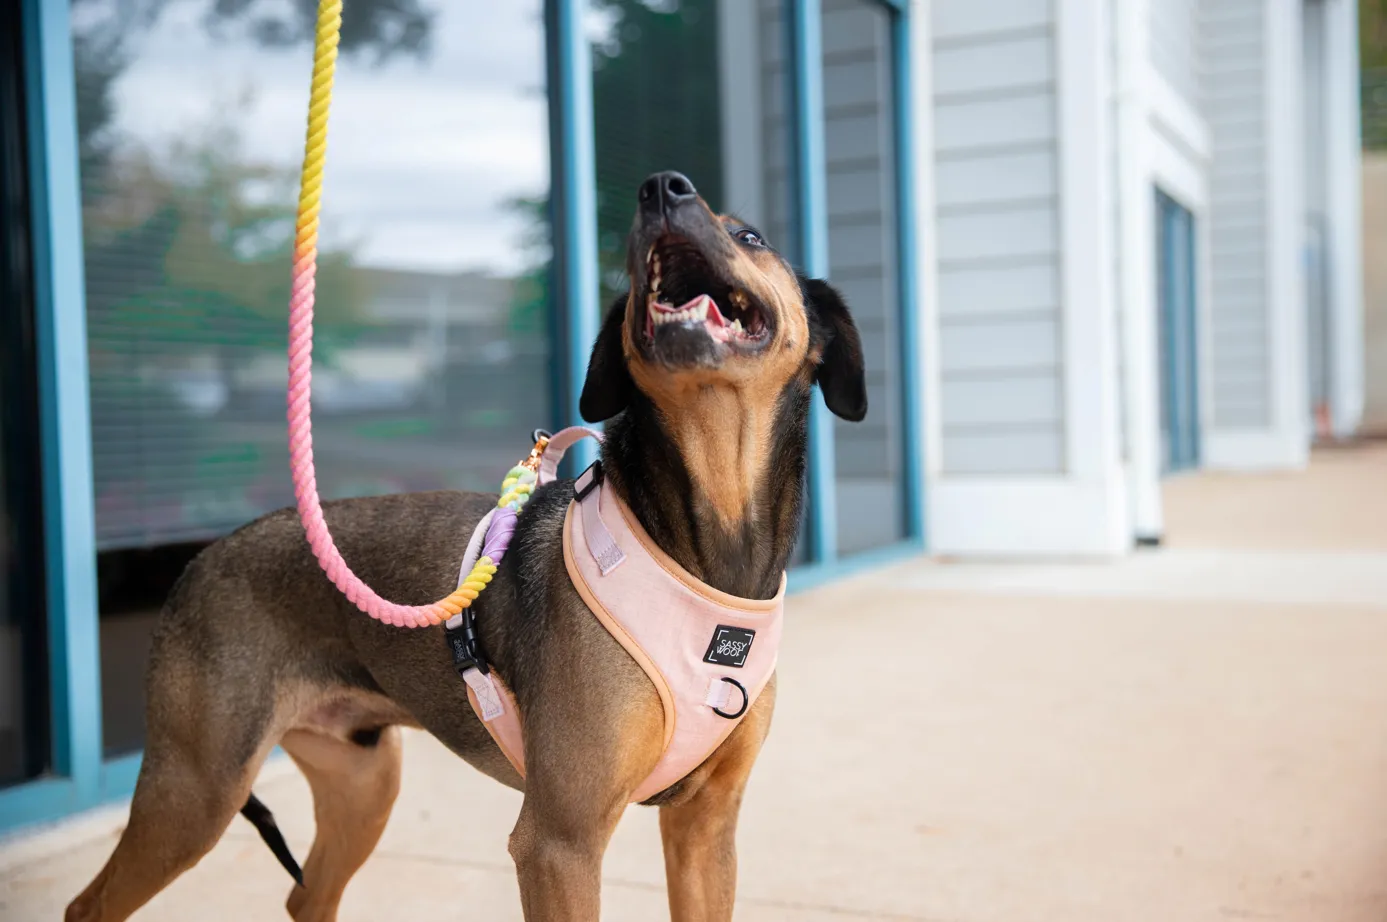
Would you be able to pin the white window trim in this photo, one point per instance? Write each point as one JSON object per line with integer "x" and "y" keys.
{"x": 1135, "y": 236}
{"x": 1163, "y": 142}
{"x": 1170, "y": 111}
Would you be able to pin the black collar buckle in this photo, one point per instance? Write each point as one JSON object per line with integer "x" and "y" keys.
{"x": 466, "y": 646}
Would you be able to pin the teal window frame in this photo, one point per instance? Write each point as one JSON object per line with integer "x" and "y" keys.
{"x": 81, "y": 778}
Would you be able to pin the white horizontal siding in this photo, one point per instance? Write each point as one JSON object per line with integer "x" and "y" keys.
{"x": 957, "y": 22}
{"x": 1001, "y": 409}
{"x": 1001, "y": 346}
{"x": 993, "y": 67}
{"x": 992, "y": 178}
{"x": 998, "y": 234}
{"x": 1006, "y": 290}
{"x": 1175, "y": 45}
{"x": 1004, "y": 450}
{"x": 1234, "y": 104}
{"x": 1010, "y": 120}
{"x": 991, "y": 403}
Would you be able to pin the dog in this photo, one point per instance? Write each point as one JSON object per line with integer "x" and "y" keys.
{"x": 706, "y": 435}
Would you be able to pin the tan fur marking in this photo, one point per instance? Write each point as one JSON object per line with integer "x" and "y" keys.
{"x": 722, "y": 418}
{"x": 354, "y": 788}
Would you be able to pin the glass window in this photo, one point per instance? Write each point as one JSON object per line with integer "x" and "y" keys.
{"x": 699, "y": 86}
{"x": 432, "y": 333}
{"x": 859, "y": 142}
{"x": 24, "y": 714}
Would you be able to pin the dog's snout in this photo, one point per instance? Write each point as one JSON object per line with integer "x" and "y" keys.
{"x": 663, "y": 191}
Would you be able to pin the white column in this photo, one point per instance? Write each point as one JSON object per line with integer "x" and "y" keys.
{"x": 1089, "y": 345}
{"x": 927, "y": 268}
{"x": 1285, "y": 197}
{"x": 930, "y": 407}
{"x": 1344, "y": 208}
{"x": 1137, "y": 284}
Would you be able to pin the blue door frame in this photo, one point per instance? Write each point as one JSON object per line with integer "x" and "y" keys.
{"x": 80, "y": 777}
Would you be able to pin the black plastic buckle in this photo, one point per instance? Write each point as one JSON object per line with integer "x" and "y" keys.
{"x": 466, "y": 646}
{"x": 593, "y": 483}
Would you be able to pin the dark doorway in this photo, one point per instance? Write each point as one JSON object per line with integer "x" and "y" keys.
{"x": 24, "y": 709}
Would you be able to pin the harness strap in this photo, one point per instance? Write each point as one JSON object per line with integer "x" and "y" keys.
{"x": 601, "y": 544}
{"x": 559, "y": 443}
{"x": 600, "y": 541}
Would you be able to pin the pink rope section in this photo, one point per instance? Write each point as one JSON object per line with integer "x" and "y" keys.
{"x": 305, "y": 479}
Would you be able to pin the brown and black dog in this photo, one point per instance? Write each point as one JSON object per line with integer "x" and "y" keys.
{"x": 705, "y": 442}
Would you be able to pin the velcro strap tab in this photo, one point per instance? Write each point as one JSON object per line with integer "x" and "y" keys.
{"x": 488, "y": 697}
{"x": 601, "y": 545}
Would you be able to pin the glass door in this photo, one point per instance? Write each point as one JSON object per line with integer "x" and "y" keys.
{"x": 24, "y": 715}
{"x": 1178, "y": 335}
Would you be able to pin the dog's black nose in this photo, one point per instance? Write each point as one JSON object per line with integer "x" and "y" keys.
{"x": 665, "y": 190}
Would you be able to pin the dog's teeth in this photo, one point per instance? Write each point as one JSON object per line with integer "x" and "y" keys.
{"x": 699, "y": 311}
{"x": 737, "y": 327}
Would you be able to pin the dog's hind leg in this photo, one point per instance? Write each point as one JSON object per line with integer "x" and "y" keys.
{"x": 193, "y": 780}
{"x": 354, "y": 784}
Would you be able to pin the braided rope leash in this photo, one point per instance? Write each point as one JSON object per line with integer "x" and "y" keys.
{"x": 301, "y": 365}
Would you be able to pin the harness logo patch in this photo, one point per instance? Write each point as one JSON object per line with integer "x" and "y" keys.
{"x": 729, "y": 647}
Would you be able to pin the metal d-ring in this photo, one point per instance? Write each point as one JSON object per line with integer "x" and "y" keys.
{"x": 746, "y": 700}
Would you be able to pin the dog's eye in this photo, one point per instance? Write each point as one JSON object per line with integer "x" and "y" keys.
{"x": 750, "y": 237}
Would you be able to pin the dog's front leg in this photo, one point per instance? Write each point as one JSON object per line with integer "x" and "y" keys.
{"x": 700, "y": 833}
{"x": 558, "y": 850}
{"x": 587, "y": 748}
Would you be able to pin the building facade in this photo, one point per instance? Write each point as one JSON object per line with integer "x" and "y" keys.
{"x": 1088, "y": 245}
{"x": 1146, "y": 258}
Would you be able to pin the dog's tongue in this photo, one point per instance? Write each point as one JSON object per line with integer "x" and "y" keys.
{"x": 703, "y": 305}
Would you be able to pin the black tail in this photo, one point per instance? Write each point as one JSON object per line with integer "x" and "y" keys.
{"x": 264, "y": 821}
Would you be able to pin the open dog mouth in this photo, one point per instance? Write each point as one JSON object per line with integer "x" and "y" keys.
{"x": 684, "y": 293}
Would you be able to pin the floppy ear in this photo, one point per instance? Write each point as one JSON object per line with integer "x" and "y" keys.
{"x": 841, "y": 375}
{"x": 608, "y": 386}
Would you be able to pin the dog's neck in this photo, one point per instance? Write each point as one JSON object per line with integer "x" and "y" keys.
{"x": 718, "y": 488}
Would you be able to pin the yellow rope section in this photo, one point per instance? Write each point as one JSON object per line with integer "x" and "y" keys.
{"x": 315, "y": 150}
{"x": 476, "y": 581}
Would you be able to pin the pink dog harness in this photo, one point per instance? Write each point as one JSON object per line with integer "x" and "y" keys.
{"x": 709, "y": 654}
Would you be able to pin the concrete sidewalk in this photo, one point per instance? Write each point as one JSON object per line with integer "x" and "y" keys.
{"x": 1198, "y": 733}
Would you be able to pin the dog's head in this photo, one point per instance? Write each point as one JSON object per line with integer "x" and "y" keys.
{"x": 712, "y": 305}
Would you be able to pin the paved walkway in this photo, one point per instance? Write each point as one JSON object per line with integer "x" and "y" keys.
{"x": 1197, "y": 733}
